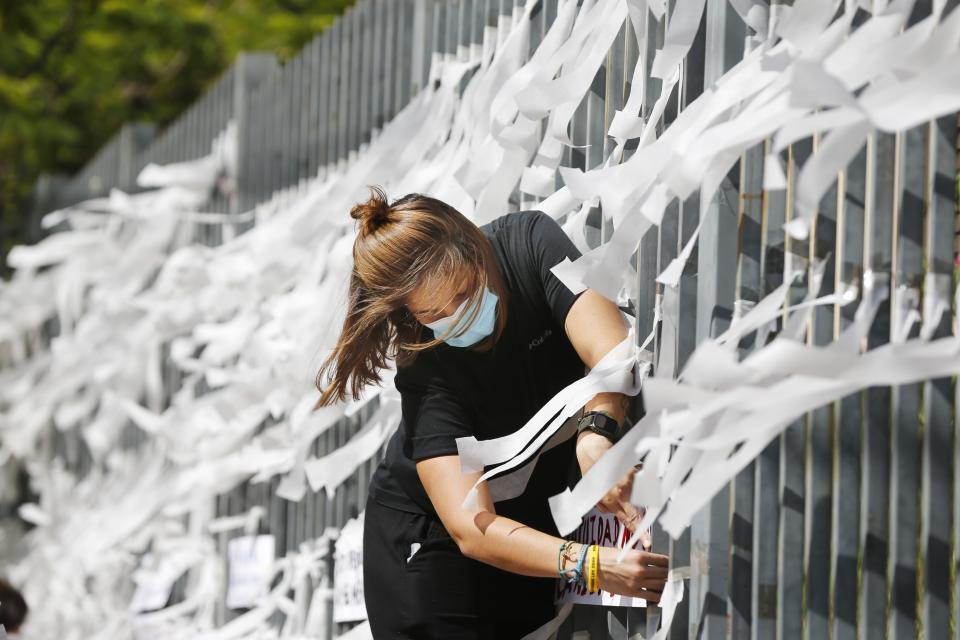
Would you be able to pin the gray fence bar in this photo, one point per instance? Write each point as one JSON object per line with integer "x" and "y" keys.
{"x": 875, "y": 498}
{"x": 939, "y": 456}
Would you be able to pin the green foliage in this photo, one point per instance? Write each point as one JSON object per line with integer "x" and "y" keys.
{"x": 73, "y": 71}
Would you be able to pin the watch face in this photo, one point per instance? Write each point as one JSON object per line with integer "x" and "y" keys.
{"x": 608, "y": 426}
{"x": 603, "y": 424}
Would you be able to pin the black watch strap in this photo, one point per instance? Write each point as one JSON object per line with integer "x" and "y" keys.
{"x": 601, "y": 423}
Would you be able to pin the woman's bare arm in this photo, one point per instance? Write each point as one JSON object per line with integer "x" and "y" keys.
{"x": 594, "y": 326}
{"x": 507, "y": 544}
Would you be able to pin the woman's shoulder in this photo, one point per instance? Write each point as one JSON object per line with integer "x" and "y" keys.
{"x": 516, "y": 221}
{"x": 516, "y": 235}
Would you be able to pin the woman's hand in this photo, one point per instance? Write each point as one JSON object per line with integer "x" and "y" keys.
{"x": 641, "y": 574}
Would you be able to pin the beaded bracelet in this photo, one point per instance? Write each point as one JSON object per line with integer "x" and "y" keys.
{"x": 561, "y": 556}
{"x": 578, "y": 576}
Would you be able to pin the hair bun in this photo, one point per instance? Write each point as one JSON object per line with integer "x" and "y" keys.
{"x": 373, "y": 213}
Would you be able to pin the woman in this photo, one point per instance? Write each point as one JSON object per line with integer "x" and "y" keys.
{"x": 483, "y": 335}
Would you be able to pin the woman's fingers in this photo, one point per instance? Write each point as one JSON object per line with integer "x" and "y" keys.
{"x": 653, "y": 573}
{"x": 648, "y": 595}
{"x": 656, "y": 559}
{"x": 652, "y": 585}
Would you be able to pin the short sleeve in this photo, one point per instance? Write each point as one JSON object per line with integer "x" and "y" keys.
{"x": 550, "y": 245}
{"x": 433, "y": 415}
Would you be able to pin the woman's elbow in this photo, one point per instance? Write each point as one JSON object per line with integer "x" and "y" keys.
{"x": 470, "y": 535}
{"x": 469, "y": 543}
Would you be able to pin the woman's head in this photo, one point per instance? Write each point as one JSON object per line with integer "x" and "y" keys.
{"x": 415, "y": 261}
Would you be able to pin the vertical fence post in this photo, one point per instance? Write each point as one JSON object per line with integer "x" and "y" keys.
{"x": 820, "y": 436}
{"x": 620, "y": 621}
{"x": 305, "y": 128}
{"x": 134, "y": 138}
{"x": 404, "y": 57}
{"x": 353, "y": 96}
{"x": 331, "y": 91}
{"x": 377, "y": 68}
{"x": 748, "y": 288}
{"x": 422, "y": 45}
{"x": 692, "y": 83}
{"x": 273, "y": 148}
{"x": 342, "y": 93}
{"x": 766, "y": 515}
{"x": 365, "y": 99}
{"x": 875, "y": 489}
{"x": 314, "y": 122}
{"x": 793, "y": 443}
{"x": 477, "y": 17}
{"x": 321, "y": 120}
{"x": 291, "y": 93}
{"x": 709, "y": 537}
{"x": 390, "y": 37}
{"x": 251, "y": 71}
{"x": 906, "y": 399}
{"x": 904, "y": 449}
{"x": 939, "y": 466}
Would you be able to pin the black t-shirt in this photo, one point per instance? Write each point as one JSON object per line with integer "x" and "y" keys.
{"x": 451, "y": 392}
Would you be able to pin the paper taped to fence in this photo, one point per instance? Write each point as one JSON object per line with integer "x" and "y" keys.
{"x": 605, "y": 530}
{"x": 250, "y": 566}
{"x": 348, "y": 603}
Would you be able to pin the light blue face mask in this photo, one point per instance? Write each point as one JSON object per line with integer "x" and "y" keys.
{"x": 480, "y": 328}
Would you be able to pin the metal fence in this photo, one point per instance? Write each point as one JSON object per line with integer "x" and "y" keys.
{"x": 845, "y": 526}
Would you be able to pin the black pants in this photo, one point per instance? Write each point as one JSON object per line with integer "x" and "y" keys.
{"x": 437, "y": 592}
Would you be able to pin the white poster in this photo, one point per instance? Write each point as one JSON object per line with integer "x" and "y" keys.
{"x": 250, "y": 561}
{"x": 154, "y": 579}
{"x": 348, "y": 573}
{"x": 603, "y": 529}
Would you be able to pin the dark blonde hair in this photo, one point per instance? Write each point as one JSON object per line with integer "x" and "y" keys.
{"x": 417, "y": 241}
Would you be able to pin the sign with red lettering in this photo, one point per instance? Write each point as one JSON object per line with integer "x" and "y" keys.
{"x": 605, "y": 530}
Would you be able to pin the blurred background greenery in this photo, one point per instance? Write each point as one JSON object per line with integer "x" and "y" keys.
{"x": 73, "y": 71}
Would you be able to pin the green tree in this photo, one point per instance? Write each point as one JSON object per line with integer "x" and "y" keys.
{"x": 73, "y": 71}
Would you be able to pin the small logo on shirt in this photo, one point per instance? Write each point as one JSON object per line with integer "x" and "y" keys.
{"x": 414, "y": 547}
{"x": 536, "y": 342}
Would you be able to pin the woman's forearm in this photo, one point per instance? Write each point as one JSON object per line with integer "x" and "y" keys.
{"x": 480, "y": 533}
{"x": 511, "y": 546}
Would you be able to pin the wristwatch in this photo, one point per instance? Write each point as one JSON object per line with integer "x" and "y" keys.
{"x": 601, "y": 423}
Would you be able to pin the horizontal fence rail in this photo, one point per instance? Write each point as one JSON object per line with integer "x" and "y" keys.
{"x": 846, "y": 525}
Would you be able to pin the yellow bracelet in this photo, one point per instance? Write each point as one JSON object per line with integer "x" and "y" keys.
{"x": 593, "y": 570}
